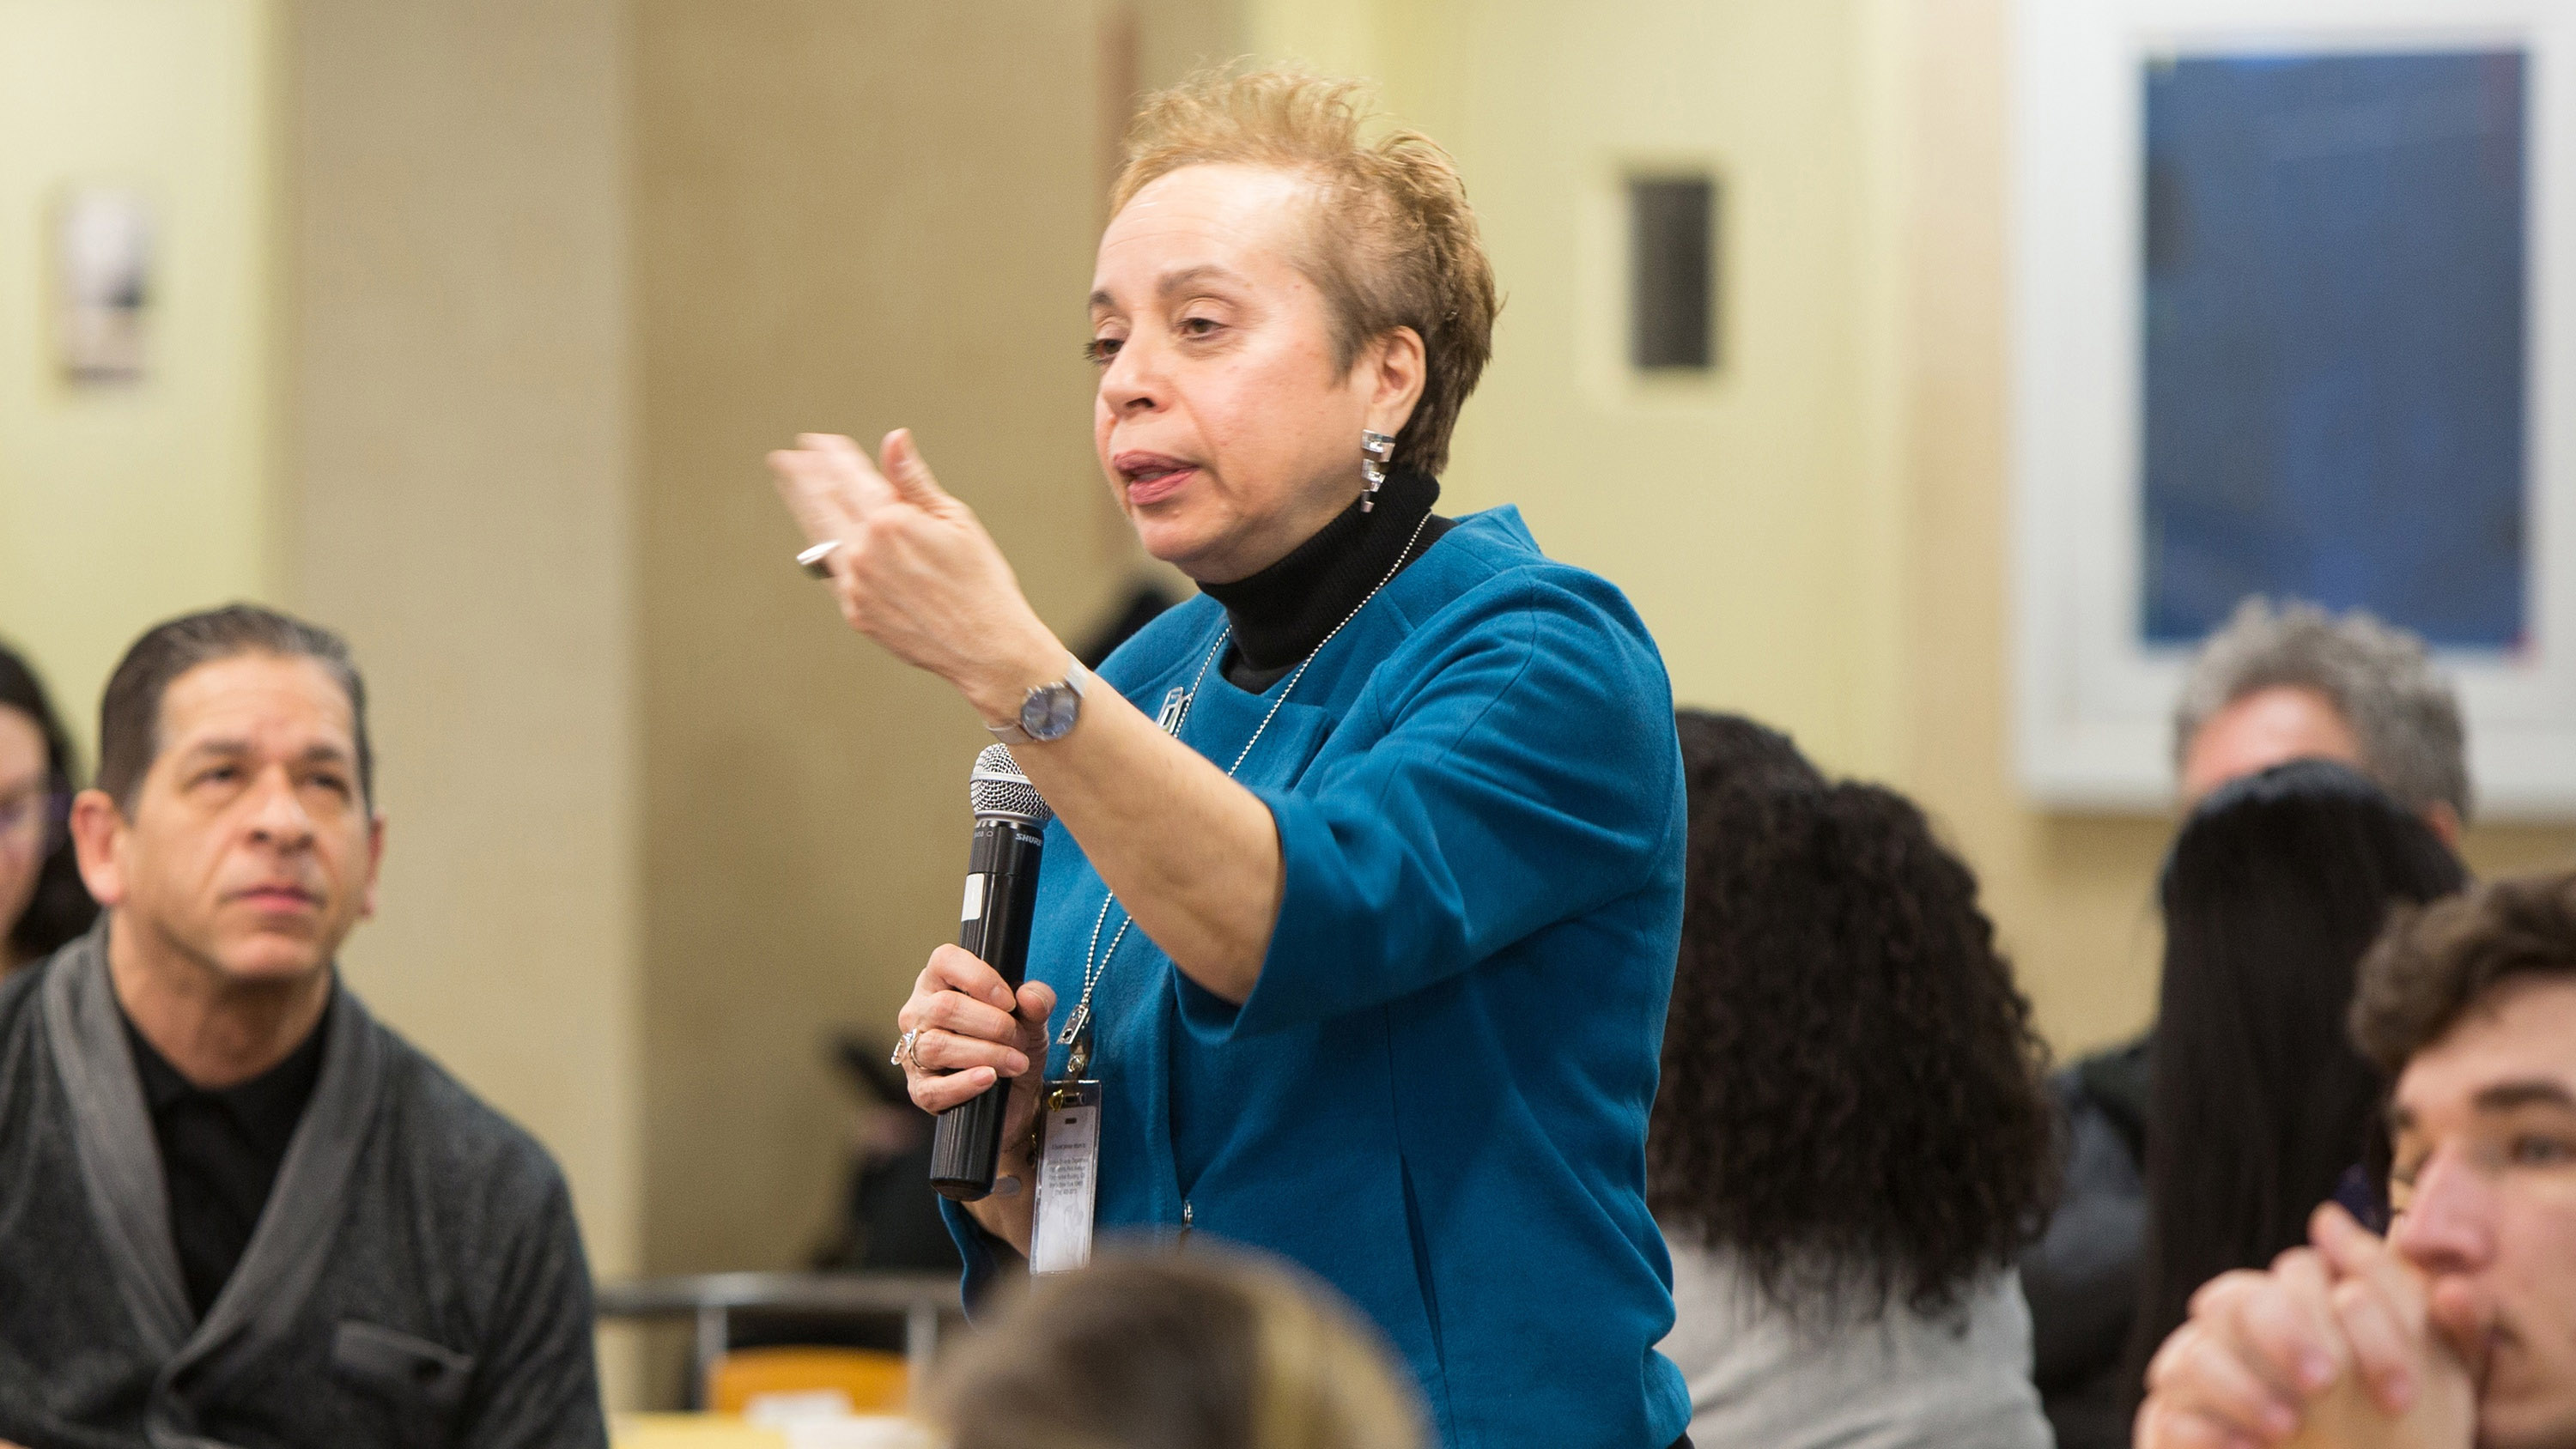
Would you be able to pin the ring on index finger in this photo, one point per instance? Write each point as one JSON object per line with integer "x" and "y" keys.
{"x": 903, "y": 1051}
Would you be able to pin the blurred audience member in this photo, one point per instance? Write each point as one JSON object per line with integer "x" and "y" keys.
{"x": 2260, "y": 1108}
{"x": 2460, "y": 1327}
{"x": 889, "y": 1220}
{"x": 42, "y": 901}
{"x": 2298, "y": 683}
{"x": 237, "y": 1209}
{"x": 2278, "y": 683}
{"x": 1196, "y": 1350}
{"x": 1851, "y": 1140}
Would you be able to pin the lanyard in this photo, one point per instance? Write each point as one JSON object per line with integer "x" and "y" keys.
{"x": 1095, "y": 962}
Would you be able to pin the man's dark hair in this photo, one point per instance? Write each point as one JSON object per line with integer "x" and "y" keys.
{"x": 2435, "y": 965}
{"x": 1852, "y": 1102}
{"x": 61, "y": 908}
{"x": 129, "y": 716}
{"x": 2275, "y": 888}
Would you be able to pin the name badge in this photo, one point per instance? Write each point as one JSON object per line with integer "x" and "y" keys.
{"x": 1068, "y": 1178}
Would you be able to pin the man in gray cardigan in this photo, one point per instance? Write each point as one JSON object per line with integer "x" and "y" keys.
{"x": 234, "y": 1209}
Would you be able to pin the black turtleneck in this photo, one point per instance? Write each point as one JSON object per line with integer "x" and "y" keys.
{"x": 1281, "y": 613}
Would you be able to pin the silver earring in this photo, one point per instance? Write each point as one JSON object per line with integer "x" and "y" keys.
{"x": 1375, "y": 451}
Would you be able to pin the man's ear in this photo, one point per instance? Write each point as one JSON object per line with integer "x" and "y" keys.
{"x": 97, "y": 825}
{"x": 375, "y": 863}
{"x": 2444, "y": 821}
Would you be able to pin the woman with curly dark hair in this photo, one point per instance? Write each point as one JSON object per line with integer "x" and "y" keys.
{"x": 42, "y": 901}
{"x": 1851, "y": 1141}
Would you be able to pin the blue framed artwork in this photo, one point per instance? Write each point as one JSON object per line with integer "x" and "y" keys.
{"x": 2294, "y": 315}
{"x": 2334, "y": 297}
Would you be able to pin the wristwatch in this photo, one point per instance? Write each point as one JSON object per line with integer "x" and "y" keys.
{"x": 1049, "y": 711}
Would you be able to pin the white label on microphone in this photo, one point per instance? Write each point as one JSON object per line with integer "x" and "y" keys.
{"x": 1068, "y": 1175}
{"x": 973, "y": 910}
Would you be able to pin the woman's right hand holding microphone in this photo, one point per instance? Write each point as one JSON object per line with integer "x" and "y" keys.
{"x": 969, "y": 1031}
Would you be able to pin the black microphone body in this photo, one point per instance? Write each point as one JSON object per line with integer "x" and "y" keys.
{"x": 1001, "y": 894}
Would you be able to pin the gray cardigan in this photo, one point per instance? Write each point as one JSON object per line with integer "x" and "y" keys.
{"x": 416, "y": 1278}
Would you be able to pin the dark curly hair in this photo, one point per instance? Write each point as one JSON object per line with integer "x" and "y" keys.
{"x": 2435, "y": 964}
{"x": 1852, "y": 1097}
{"x": 61, "y": 908}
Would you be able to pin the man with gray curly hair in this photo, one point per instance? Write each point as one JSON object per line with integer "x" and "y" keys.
{"x": 2290, "y": 682}
{"x": 2280, "y": 682}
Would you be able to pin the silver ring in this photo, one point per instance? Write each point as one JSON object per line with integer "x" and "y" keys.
{"x": 815, "y": 561}
{"x": 903, "y": 1052}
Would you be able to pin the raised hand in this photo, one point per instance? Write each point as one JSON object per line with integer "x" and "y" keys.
{"x": 915, "y": 570}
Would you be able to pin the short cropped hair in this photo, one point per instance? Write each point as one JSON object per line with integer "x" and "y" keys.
{"x": 2380, "y": 679}
{"x": 129, "y": 715}
{"x": 1393, "y": 244}
{"x": 2435, "y": 965}
{"x": 1210, "y": 1349}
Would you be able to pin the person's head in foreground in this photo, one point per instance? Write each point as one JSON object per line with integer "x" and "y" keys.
{"x": 2260, "y": 1106}
{"x": 239, "y": 1210}
{"x": 2460, "y": 1327}
{"x": 1208, "y": 1349}
{"x": 42, "y": 901}
{"x": 1850, "y": 1102}
{"x": 229, "y": 835}
{"x": 2293, "y": 682}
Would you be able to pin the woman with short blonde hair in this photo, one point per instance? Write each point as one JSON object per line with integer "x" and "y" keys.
{"x": 1361, "y": 900}
{"x": 1201, "y": 1350}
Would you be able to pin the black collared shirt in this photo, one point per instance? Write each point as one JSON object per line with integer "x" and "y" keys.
{"x": 220, "y": 1152}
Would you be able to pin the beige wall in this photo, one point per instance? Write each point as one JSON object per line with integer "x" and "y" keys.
{"x": 460, "y": 464}
{"x": 852, "y": 217}
{"x": 123, "y": 504}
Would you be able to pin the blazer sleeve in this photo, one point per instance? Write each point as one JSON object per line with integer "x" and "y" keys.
{"x": 1527, "y": 775}
{"x": 537, "y": 1386}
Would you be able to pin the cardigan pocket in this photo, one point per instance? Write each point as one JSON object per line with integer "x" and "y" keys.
{"x": 411, "y": 1371}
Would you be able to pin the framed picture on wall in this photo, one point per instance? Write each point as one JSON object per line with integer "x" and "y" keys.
{"x": 2294, "y": 286}
{"x": 103, "y": 283}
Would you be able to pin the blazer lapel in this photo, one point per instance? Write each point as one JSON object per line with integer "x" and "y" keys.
{"x": 120, "y": 1163}
{"x": 287, "y": 1248}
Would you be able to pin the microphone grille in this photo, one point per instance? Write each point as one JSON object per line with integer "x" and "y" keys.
{"x": 998, "y": 789}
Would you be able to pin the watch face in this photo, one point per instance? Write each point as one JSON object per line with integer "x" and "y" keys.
{"x": 1047, "y": 714}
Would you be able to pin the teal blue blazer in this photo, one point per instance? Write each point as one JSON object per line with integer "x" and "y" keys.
{"x": 1436, "y": 1096}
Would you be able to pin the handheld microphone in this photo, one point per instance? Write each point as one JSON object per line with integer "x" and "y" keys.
{"x": 1001, "y": 891}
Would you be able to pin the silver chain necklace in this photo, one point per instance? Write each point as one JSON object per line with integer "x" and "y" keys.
{"x": 1095, "y": 962}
